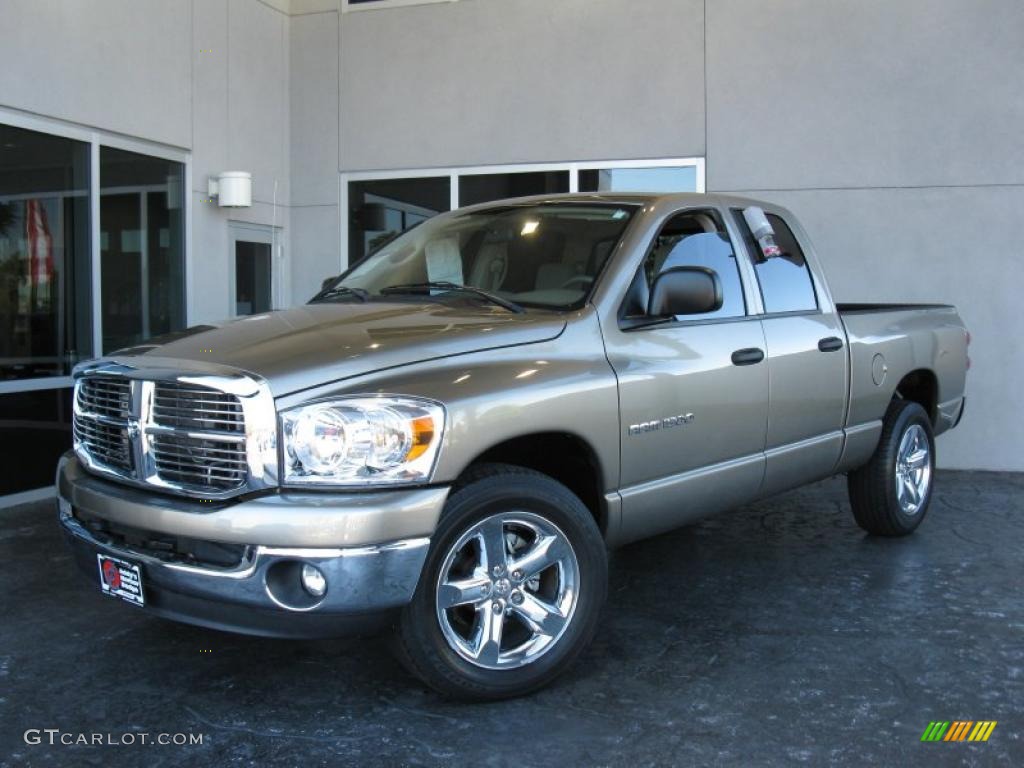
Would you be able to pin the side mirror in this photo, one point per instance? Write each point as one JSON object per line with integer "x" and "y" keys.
{"x": 327, "y": 281}
{"x": 685, "y": 291}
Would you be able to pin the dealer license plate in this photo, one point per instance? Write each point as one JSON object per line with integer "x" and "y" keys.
{"x": 119, "y": 578}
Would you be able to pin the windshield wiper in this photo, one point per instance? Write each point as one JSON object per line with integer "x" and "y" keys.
{"x": 445, "y": 285}
{"x": 341, "y": 290}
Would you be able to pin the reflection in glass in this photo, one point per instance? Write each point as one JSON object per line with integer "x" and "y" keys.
{"x": 141, "y": 247}
{"x": 45, "y": 275}
{"x": 381, "y": 210}
{"x": 639, "y": 180}
{"x": 484, "y": 187}
{"x": 35, "y": 429}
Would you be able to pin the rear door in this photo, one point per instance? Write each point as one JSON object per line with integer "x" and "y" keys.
{"x": 693, "y": 420}
{"x": 807, "y": 361}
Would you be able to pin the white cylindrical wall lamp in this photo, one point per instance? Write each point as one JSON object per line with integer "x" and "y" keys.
{"x": 233, "y": 189}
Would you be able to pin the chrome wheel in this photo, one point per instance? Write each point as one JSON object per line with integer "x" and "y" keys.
{"x": 913, "y": 469}
{"x": 507, "y": 590}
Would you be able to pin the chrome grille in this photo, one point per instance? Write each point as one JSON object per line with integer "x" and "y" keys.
{"x": 102, "y": 408}
{"x": 108, "y": 397}
{"x": 192, "y": 434}
{"x": 187, "y": 407}
{"x": 208, "y": 451}
{"x": 199, "y": 463}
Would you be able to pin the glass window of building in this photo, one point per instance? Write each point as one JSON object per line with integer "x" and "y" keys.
{"x": 484, "y": 187}
{"x": 671, "y": 179}
{"x": 45, "y": 273}
{"x": 381, "y": 210}
{"x": 142, "y": 251}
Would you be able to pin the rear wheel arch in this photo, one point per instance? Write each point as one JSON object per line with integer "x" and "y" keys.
{"x": 920, "y": 386}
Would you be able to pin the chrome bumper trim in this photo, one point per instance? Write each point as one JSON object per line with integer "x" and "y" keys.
{"x": 360, "y": 579}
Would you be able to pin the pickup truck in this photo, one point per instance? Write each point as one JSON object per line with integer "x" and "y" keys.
{"x": 450, "y": 436}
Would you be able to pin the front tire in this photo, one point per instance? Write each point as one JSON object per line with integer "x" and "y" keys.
{"x": 512, "y": 588}
{"x": 891, "y": 493}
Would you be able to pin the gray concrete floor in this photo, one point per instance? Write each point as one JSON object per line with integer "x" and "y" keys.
{"x": 775, "y": 635}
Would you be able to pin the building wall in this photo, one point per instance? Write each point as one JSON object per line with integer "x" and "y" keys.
{"x": 891, "y": 129}
{"x": 315, "y": 217}
{"x": 209, "y": 76}
{"x": 506, "y": 81}
{"x": 240, "y": 121}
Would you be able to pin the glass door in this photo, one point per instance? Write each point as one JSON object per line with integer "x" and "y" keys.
{"x": 252, "y": 277}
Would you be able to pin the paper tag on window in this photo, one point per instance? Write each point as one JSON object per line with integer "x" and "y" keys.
{"x": 444, "y": 261}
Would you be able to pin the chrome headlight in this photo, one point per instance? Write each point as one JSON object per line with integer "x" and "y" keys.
{"x": 362, "y": 441}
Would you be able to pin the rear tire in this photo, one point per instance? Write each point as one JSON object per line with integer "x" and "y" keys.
{"x": 516, "y": 556}
{"x": 891, "y": 493}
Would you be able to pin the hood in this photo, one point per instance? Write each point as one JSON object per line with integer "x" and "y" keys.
{"x": 317, "y": 344}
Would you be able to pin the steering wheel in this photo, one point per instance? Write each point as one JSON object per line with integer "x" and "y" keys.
{"x": 583, "y": 280}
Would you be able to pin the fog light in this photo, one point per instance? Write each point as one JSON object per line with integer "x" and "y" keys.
{"x": 313, "y": 580}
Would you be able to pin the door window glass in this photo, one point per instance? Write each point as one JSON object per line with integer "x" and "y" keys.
{"x": 252, "y": 277}
{"x": 697, "y": 239}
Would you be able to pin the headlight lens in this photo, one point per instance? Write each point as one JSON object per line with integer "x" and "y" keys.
{"x": 362, "y": 441}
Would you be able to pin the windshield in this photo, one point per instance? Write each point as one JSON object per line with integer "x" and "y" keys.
{"x": 540, "y": 255}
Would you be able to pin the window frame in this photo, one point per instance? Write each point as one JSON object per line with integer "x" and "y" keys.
{"x": 347, "y": 6}
{"x": 95, "y": 139}
{"x": 454, "y": 173}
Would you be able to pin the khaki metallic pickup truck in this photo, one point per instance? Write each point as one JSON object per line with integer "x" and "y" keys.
{"x": 448, "y": 438}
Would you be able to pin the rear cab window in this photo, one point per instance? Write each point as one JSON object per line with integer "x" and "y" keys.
{"x": 785, "y": 282}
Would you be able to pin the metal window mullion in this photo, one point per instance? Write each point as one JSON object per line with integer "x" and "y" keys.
{"x": 144, "y": 256}
{"x": 94, "y": 246}
{"x": 453, "y": 192}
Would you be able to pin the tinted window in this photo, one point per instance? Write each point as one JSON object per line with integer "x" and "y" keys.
{"x": 45, "y": 269}
{"x": 786, "y": 284}
{"x": 142, "y": 235}
{"x": 382, "y": 209}
{"x": 35, "y": 429}
{"x": 699, "y": 240}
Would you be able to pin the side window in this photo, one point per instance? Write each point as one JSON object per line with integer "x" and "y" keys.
{"x": 785, "y": 281}
{"x": 698, "y": 239}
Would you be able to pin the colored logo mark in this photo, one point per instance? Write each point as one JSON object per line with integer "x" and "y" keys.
{"x": 958, "y": 730}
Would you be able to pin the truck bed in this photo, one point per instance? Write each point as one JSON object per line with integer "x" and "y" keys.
{"x": 888, "y": 342}
{"x": 879, "y": 307}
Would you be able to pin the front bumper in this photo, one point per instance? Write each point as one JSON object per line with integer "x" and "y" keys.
{"x": 369, "y": 573}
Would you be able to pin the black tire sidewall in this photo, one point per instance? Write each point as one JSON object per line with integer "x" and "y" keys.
{"x": 907, "y": 415}
{"x": 424, "y": 641}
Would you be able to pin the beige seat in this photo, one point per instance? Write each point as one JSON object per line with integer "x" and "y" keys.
{"x": 491, "y": 267}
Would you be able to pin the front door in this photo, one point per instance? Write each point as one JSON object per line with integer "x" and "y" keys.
{"x": 693, "y": 392}
{"x": 252, "y": 269}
